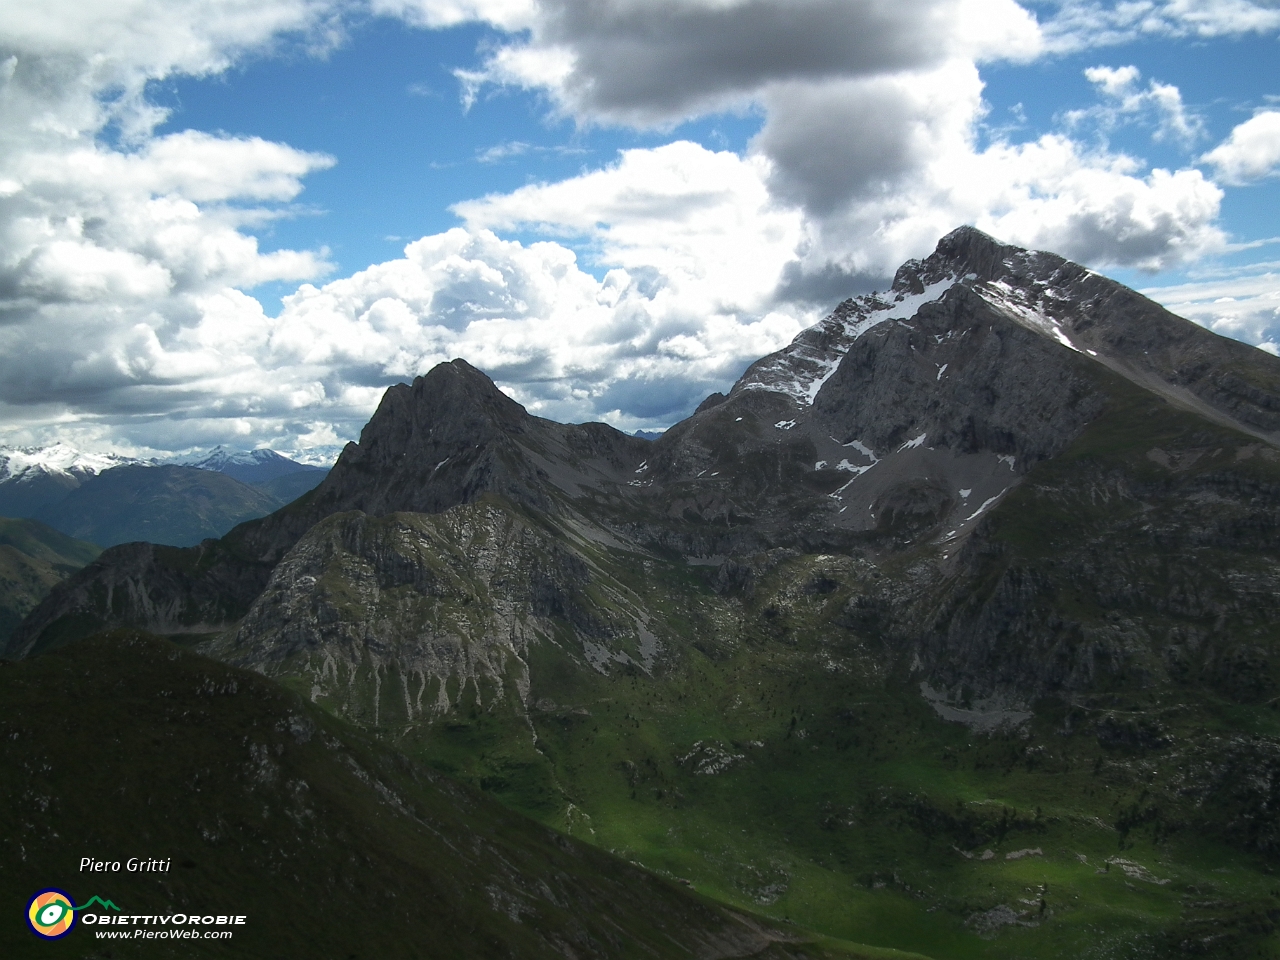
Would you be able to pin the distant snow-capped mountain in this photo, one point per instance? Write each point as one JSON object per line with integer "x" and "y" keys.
{"x": 249, "y": 466}
{"x": 323, "y": 457}
{"x": 35, "y": 479}
{"x": 32, "y": 478}
{"x": 27, "y": 463}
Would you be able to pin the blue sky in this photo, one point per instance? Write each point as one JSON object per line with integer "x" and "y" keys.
{"x": 387, "y": 106}
{"x": 234, "y": 222}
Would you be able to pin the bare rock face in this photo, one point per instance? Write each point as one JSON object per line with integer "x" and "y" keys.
{"x": 994, "y": 400}
{"x": 440, "y": 442}
{"x": 394, "y": 618}
{"x": 447, "y": 440}
{"x": 170, "y": 590}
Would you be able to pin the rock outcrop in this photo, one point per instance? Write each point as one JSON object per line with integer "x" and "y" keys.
{"x": 994, "y": 402}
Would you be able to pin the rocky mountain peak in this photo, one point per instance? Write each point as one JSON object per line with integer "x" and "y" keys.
{"x": 450, "y": 437}
{"x": 903, "y": 417}
{"x": 58, "y": 459}
{"x": 1018, "y": 282}
{"x": 968, "y": 250}
{"x": 972, "y": 256}
{"x": 33, "y": 478}
{"x": 453, "y": 402}
{"x": 976, "y": 279}
{"x": 437, "y": 442}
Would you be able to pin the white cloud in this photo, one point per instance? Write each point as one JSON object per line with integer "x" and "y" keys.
{"x": 642, "y": 346}
{"x": 1251, "y": 153}
{"x": 885, "y": 166}
{"x": 871, "y": 114}
{"x": 122, "y": 268}
{"x": 1159, "y": 106}
{"x": 638, "y": 349}
{"x": 1099, "y": 213}
{"x": 1087, "y": 24}
{"x": 87, "y": 61}
{"x": 703, "y": 220}
{"x": 1115, "y": 82}
{"x": 119, "y": 265}
{"x": 438, "y": 14}
{"x": 1243, "y": 305}
{"x": 650, "y": 63}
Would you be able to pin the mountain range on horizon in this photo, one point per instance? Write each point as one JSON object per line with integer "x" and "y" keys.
{"x": 110, "y": 499}
{"x": 248, "y": 466}
{"x": 60, "y": 504}
{"x": 69, "y": 465}
{"x": 950, "y": 628}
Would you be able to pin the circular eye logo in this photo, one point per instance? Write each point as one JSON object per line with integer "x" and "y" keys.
{"x": 50, "y": 914}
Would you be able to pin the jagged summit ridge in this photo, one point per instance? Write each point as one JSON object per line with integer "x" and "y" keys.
{"x": 34, "y": 478}
{"x": 904, "y": 418}
{"x": 975, "y": 507}
{"x": 1229, "y": 382}
{"x": 452, "y": 435}
{"x": 255, "y": 467}
{"x": 802, "y": 368}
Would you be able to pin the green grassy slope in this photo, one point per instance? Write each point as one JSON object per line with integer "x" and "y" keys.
{"x": 775, "y": 771}
{"x": 843, "y": 803}
{"x": 127, "y": 746}
{"x": 33, "y": 557}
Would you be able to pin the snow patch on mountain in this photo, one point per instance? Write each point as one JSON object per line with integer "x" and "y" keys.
{"x": 801, "y": 369}
{"x": 24, "y": 463}
{"x": 248, "y": 466}
{"x": 1015, "y": 304}
{"x": 222, "y": 457}
{"x": 323, "y": 456}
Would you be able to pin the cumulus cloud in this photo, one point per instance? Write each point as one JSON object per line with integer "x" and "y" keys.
{"x": 1242, "y": 303}
{"x": 1251, "y": 153}
{"x": 635, "y": 348}
{"x": 1099, "y": 212}
{"x": 701, "y": 219}
{"x": 144, "y": 224}
{"x": 885, "y": 166}
{"x": 121, "y": 266}
{"x": 654, "y": 63}
{"x": 871, "y": 119}
{"x": 124, "y": 259}
{"x": 1158, "y": 106}
{"x": 437, "y": 14}
{"x": 77, "y": 64}
{"x": 865, "y": 139}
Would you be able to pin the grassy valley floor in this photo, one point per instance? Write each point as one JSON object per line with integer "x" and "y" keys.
{"x": 773, "y": 770}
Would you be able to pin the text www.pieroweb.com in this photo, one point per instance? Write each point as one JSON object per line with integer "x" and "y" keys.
{"x": 173, "y": 927}
{"x": 164, "y": 934}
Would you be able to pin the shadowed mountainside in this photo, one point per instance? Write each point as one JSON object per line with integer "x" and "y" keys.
{"x": 126, "y": 746}
{"x": 176, "y": 506}
{"x": 33, "y": 558}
